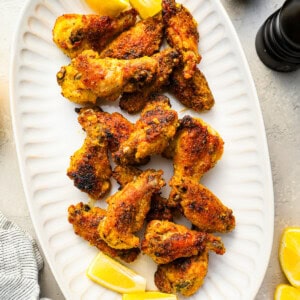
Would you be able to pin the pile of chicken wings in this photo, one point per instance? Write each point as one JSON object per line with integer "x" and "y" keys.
{"x": 134, "y": 61}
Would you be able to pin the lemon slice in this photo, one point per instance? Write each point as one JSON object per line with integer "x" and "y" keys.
{"x": 108, "y": 7}
{"x": 146, "y": 8}
{"x": 111, "y": 274}
{"x": 149, "y": 296}
{"x": 286, "y": 292}
{"x": 289, "y": 254}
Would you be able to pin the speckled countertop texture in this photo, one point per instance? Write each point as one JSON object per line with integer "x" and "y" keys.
{"x": 279, "y": 95}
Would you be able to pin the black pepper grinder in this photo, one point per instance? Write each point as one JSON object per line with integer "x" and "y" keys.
{"x": 278, "y": 40}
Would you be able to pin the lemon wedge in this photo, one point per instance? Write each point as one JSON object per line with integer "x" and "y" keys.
{"x": 108, "y": 7}
{"x": 146, "y": 8}
{"x": 149, "y": 296}
{"x": 289, "y": 255}
{"x": 114, "y": 276}
{"x": 286, "y": 292}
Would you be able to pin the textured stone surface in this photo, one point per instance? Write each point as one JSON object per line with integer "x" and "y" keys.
{"x": 279, "y": 96}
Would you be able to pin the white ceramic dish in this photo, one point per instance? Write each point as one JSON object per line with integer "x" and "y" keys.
{"x": 47, "y": 133}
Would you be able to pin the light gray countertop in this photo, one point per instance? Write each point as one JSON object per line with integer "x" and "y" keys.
{"x": 279, "y": 96}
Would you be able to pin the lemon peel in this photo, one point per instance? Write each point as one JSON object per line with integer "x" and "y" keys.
{"x": 286, "y": 292}
{"x": 149, "y": 296}
{"x": 146, "y": 8}
{"x": 108, "y": 7}
{"x": 289, "y": 255}
{"x": 114, "y": 276}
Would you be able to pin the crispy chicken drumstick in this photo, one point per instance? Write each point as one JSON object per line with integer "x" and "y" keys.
{"x": 158, "y": 208}
{"x": 85, "y": 221}
{"x": 89, "y": 77}
{"x": 152, "y": 132}
{"x": 127, "y": 210}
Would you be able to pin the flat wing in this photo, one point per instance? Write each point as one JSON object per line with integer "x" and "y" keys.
{"x": 142, "y": 39}
{"x": 193, "y": 93}
{"x": 184, "y": 275}
{"x": 74, "y": 33}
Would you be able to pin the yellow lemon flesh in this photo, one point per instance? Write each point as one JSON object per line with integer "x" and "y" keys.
{"x": 114, "y": 276}
{"x": 149, "y": 296}
{"x": 289, "y": 255}
{"x": 286, "y": 292}
{"x": 108, "y": 7}
{"x": 146, "y": 8}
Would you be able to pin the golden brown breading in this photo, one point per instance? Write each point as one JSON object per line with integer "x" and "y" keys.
{"x": 166, "y": 241}
{"x": 114, "y": 127}
{"x": 134, "y": 102}
{"x": 85, "y": 221}
{"x": 143, "y": 39}
{"x": 75, "y": 33}
{"x": 184, "y": 275}
{"x": 127, "y": 210}
{"x": 196, "y": 148}
{"x": 89, "y": 77}
{"x": 202, "y": 207}
{"x": 118, "y": 130}
{"x": 125, "y": 174}
{"x": 158, "y": 208}
{"x": 152, "y": 132}
{"x": 194, "y": 93}
{"x": 182, "y": 34}
{"x": 90, "y": 168}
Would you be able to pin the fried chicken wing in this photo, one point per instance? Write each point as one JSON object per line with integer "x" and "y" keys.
{"x": 85, "y": 221}
{"x": 152, "y": 132}
{"x": 202, "y": 207}
{"x": 127, "y": 210}
{"x": 114, "y": 127}
{"x": 182, "y": 34}
{"x": 135, "y": 102}
{"x": 142, "y": 39}
{"x": 184, "y": 275}
{"x": 89, "y": 77}
{"x": 166, "y": 241}
{"x": 158, "y": 208}
{"x": 74, "y": 33}
{"x": 90, "y": 168}
{"x": 195, "y": 149}
{"x": 193, "y": 93}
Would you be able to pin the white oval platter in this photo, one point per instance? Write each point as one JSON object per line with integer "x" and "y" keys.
{"x": 47, "y": 133}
